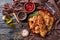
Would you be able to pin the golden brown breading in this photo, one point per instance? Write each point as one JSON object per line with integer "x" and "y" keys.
{"x": 48, "y": 18}
{"x": 41, "y": 23}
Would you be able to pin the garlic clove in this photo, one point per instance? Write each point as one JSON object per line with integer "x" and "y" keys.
{"x": 3, "y": 18}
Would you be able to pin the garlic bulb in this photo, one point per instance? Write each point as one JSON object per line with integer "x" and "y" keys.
{"x": 24, "y": 33}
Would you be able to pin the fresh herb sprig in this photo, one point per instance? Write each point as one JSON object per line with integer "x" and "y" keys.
{"x": 33, "y": 14}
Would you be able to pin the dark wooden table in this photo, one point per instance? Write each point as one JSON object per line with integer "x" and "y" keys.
{"x": 6, "y": 35}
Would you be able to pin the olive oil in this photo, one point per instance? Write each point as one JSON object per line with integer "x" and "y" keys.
{"x": 8, "y": 20}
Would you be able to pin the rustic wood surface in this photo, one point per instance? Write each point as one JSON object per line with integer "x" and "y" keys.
{"x": 5, "y": 29}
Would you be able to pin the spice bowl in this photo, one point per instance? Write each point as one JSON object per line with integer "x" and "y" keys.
{"x": 29, "y": 7}
{"x": 22, "y": 16}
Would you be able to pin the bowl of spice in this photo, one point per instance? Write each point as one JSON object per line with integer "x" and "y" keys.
{"x": 22, "y": 16}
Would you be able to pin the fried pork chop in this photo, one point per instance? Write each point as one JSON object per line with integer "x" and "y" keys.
{"x": 41, "y": 22}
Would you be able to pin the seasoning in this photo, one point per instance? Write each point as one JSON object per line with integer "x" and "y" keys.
{"x": 22, "y": 15}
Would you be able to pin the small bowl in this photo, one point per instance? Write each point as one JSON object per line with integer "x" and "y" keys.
{"x": 31, "y": 5}
{"x": 22, "y": 16}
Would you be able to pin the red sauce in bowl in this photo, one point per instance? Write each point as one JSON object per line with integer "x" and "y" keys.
{"x": 29, "y": 7}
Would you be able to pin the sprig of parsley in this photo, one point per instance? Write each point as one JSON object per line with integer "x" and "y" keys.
{"x": 33, "y": 14}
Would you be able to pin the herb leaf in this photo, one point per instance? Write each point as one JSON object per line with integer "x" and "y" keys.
{"x": 34, "y": 14}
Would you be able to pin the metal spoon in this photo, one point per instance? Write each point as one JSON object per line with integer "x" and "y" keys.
{"x": 50, "y": 8}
